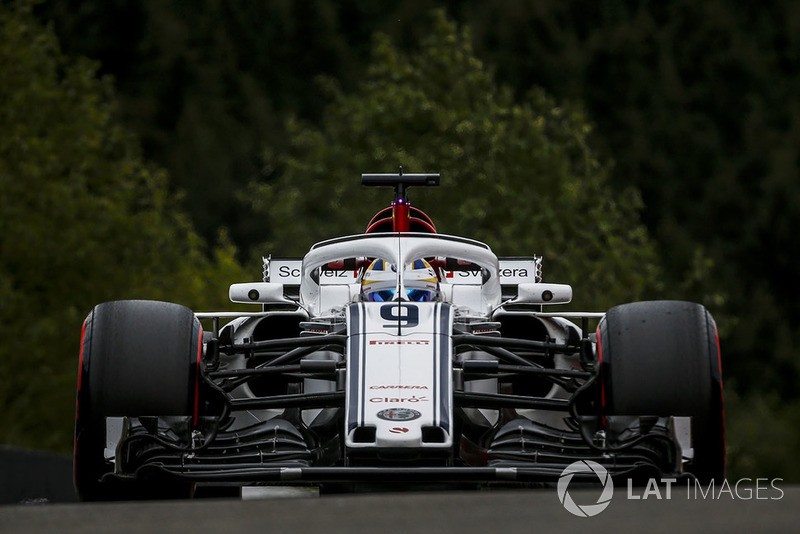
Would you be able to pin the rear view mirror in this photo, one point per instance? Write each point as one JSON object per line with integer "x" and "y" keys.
{"x": 258, "y": 293}
{"x": 540, "y": 293}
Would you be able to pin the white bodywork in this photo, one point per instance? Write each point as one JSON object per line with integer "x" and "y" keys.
{"x": 399, "y": 380}
{"x": 484, "y": 296}
{"x": 399, "y": 355}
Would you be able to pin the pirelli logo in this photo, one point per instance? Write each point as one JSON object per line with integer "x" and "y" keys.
{"x": 400, "y": 342}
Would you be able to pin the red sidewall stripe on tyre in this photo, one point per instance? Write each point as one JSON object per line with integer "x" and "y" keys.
{"x": 77, "y": 406}
{"x": 721, "y": 394}
{"x": 602, "y": 379}
{"x": 80, "y": 366}
{"x": 196, "y": 418}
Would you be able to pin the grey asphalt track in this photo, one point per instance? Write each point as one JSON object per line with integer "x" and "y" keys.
{"x": 530, "y": 511}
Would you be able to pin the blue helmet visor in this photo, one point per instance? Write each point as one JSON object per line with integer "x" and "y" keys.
{"x": 381, "y": 296}
{"x": 414, "y": 295}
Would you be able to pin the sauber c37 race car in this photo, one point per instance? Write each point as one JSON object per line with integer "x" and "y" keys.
{"x": 397, "y": 358}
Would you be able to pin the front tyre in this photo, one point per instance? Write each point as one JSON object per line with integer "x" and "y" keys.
{"x": 138, "y": 358}
{"x": 662, "y": 358}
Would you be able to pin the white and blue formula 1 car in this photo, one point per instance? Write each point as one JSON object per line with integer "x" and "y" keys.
{"x": 397, "y": 358}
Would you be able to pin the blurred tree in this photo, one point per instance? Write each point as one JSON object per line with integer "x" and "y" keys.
{"x": 83, "y": 219}
{"x": 205, "y": 85}
{"x": 698, "y": 103}
{"x": 518, "y": 175}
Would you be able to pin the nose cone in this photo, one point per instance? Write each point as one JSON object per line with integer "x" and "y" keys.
{"x": 399, "y": 434}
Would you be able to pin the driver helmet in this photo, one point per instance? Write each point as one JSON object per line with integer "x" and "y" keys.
{"x": 379, "y": 283}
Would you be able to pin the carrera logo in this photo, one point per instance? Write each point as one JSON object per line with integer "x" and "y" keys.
{"x": 400, "y": 342}
{"x": 398, "y": 387}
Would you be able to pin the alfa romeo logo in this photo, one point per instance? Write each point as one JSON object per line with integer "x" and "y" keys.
{"x": 585, "y": 466}
{"x": 399, "y": 414}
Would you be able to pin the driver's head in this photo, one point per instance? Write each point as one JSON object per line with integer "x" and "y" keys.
{"x": 420, "y": 281}
{"x": 379, "y": 283}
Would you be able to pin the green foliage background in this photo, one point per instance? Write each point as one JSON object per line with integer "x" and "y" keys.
{"x": 518, "y": 174}
{"x": 647, "y": 149}
{"x": 84, "y": 219}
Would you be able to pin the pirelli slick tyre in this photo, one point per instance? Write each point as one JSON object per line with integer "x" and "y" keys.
{"x": 138, "y": 358}
{"x": 662, "y": 358}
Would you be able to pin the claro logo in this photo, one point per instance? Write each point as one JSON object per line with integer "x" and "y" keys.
{"x": 412, "y": 398}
